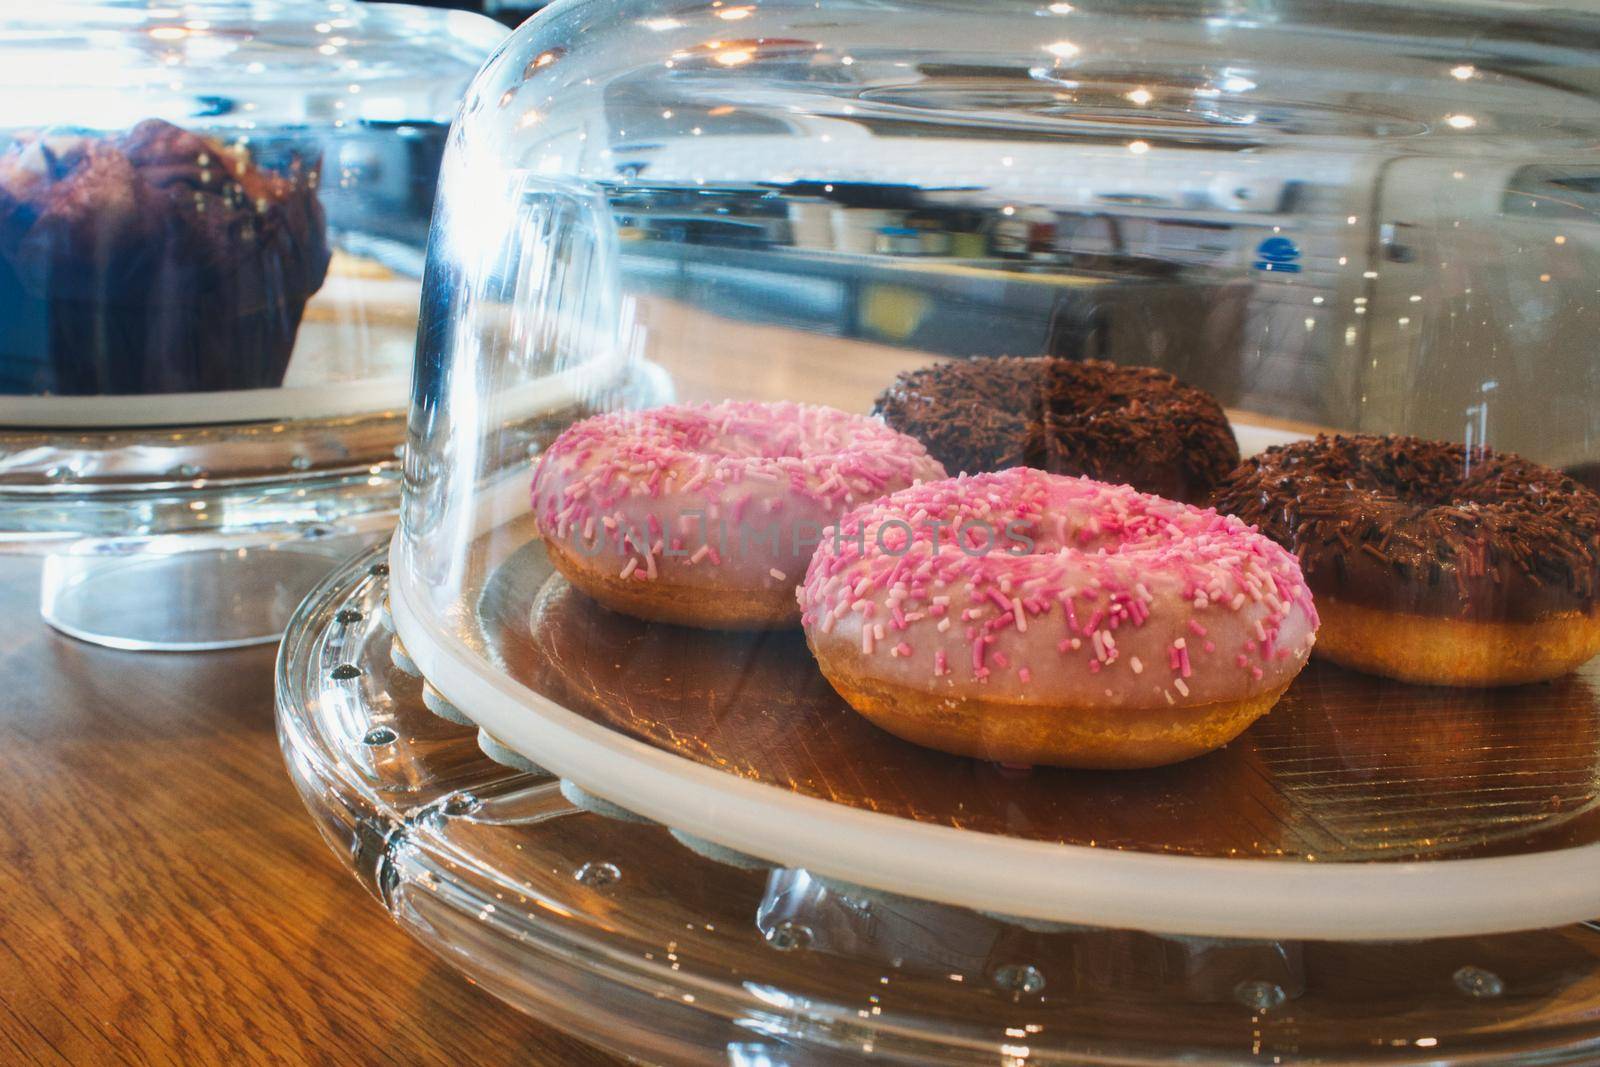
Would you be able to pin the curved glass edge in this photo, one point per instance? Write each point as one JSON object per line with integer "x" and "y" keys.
{"x": 164, "y": 491}
{"x": 175, "y": 521}
{"x": 567, "y": 214}
{"x": 242, "y": 61}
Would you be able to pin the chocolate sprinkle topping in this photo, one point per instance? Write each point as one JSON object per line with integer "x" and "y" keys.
{"x": 1425, "y": 527}
{"x": 1133, "y": 425}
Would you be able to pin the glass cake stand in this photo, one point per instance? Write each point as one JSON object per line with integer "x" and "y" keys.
{"x": 661, "y": 945}
{"x": 203, "y": 399}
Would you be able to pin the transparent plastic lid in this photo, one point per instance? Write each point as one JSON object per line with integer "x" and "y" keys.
{"x": 1318, "y": 281}
{"x": 216, "y": 212}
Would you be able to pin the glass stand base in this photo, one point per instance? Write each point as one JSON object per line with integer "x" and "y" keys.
{"x": 668, "y": 949}
{"x": 187, "y": 601}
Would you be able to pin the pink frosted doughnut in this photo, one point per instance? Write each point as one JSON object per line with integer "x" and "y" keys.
{"x": 705, "y": 515}
{"x": 1102, "y": 627}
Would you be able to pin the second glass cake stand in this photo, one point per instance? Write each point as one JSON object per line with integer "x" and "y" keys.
{"x": 212, "y": 228}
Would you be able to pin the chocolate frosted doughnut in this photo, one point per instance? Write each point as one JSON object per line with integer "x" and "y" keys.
{"x": 1132, "y": 425}
{"x": 1432, "y": 562}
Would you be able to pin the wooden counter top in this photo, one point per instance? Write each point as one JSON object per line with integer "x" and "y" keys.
{"x": 164, "y": 897}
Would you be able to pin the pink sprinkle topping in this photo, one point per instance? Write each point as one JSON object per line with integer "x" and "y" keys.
{"x": 699, "y": 469}
{"x": 1134, "y": 575}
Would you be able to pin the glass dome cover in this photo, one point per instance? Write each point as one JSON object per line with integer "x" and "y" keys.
{"x": 1345, "y": 230}
{"x": 744, "y": 237}
{"x": 190, "y": 190}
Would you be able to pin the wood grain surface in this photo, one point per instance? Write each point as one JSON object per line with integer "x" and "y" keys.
{"x": 164, "y": 898}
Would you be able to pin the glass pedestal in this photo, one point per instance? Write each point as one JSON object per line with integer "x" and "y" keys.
{"x": 203, "y": 537}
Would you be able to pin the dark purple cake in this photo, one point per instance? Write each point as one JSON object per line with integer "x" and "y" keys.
{"x": 152, "y": 261}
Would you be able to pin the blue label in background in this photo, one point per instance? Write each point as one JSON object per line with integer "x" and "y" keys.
{"x": 1278, "y": 254}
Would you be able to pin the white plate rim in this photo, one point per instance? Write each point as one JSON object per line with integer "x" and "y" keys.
{"x": 1041, "y": 881}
